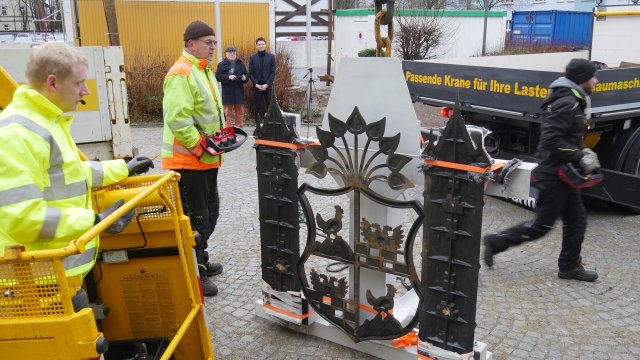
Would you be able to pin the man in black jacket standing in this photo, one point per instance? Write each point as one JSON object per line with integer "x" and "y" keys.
{"x": 262, "y": 71}
{"x": 232, "y": 74}
{"x": 560, "y": 142}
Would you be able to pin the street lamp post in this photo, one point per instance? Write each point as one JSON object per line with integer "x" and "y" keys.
{"x": 484, "y": 31}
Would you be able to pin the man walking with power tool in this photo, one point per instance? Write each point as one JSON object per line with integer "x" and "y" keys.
{"x": 560, "y": 143}
{"x": 192, "y": 110}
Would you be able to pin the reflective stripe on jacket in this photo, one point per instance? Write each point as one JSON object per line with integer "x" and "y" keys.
{"x": 45, "y": 199}
{"x": 190, "y": 97}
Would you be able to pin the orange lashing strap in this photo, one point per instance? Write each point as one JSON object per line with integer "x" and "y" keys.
{"x": 456, "y": 166}
{"x": 371, "y": 310}
{"x": 405, "y": 340}
{"x": 424, "y": 357}
{"x": 284, "y": 144}
{"x": 327, "y": 300}
{"x": 288, "y": 313}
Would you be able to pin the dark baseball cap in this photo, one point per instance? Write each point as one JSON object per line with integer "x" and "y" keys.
{"x": 197, "y": 29}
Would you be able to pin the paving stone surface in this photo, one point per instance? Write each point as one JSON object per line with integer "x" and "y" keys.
{"x": 524, "y": 310}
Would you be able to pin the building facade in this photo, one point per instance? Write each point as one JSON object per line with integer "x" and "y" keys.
{"x": 30, "y": 16}
{"x": 541, "y": 5}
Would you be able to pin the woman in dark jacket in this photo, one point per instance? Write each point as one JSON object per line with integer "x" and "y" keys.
{"x": 232, "y": 74}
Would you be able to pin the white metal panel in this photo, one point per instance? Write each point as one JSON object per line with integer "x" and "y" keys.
{"x": 118, "y": 111}
{"x": 86, "y": 126}
{"x": 541, "y": 62}
{"x": 377, "y": 87}
{"x": 615, "y": 38}
{"x": 518, "y": 185}
{"x": 95, "y": 126}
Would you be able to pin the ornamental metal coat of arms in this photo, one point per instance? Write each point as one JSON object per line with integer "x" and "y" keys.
{"x": 368, "y": 246}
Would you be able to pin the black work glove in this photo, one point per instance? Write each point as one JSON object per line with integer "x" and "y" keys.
{"x": 118, "y": 225}
{"x": 139, "y": 165}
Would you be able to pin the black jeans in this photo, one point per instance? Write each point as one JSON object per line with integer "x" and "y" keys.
{"x": 200, "y": 201}
{"x": 260, "y": 98}
{"x": 557, "y": 199}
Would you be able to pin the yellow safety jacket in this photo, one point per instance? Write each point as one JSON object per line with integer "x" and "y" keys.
{"x": 45, "y": 199}
{"x": 190, "y": 97}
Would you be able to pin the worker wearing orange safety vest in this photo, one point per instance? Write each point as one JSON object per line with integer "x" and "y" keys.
{"x": 192, "y": 112}
{"x": 45, "y": 199}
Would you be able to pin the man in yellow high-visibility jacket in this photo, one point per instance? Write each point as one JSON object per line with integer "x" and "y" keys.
{"x": 45, "y": 199}
{"x": 192, "y": 111}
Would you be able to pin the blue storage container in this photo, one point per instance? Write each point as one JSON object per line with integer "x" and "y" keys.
{"x": 553, "y": 27}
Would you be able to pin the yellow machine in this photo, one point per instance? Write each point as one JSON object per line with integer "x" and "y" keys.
{"x": 8, "y": 86}
{"x": 144, "y": 291}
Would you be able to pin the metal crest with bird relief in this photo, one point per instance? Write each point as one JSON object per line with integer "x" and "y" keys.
{"x": 378, "y": 248}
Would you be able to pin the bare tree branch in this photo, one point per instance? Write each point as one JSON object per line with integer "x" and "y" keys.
{"x": 28, "y": 12}
{"x": 492, "y": 4}
{"x": 421, "y": 30}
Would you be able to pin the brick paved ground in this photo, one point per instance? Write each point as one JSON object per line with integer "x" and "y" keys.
{"x": 524, "y": 310}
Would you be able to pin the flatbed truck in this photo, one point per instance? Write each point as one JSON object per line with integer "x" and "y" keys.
{"x": 498, "y": 94}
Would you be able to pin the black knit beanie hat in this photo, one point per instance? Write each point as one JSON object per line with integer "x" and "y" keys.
{"x": 580, "y": 70}
{"x": 197, "y": 29}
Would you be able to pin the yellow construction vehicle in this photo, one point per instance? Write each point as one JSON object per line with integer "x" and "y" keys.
{"x": 8, "y": 86}
{"x": 144, "y": 290}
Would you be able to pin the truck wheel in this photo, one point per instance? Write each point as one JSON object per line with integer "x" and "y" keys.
{"x": 632, "y": 162}
{"x": 632, "y": 166}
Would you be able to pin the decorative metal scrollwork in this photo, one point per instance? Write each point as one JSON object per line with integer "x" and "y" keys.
{"x": 278, "y": 206}
{"x": 377, "y": 247}
{"x": 355, "y": 169}
{"x": 453, "y": 201}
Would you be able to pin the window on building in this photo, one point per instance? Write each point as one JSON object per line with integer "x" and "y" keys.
{"x": 3, "y": 11}
{"x": 5, "y": 27}
{"x": 22, "y": 10}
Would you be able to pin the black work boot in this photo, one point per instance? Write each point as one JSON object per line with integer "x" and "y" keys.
{"x": 578, "y": 273}
{"x": 489, "y": 251}
{"x": 213, "y": 269}
{"x": 208, "y": 287}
